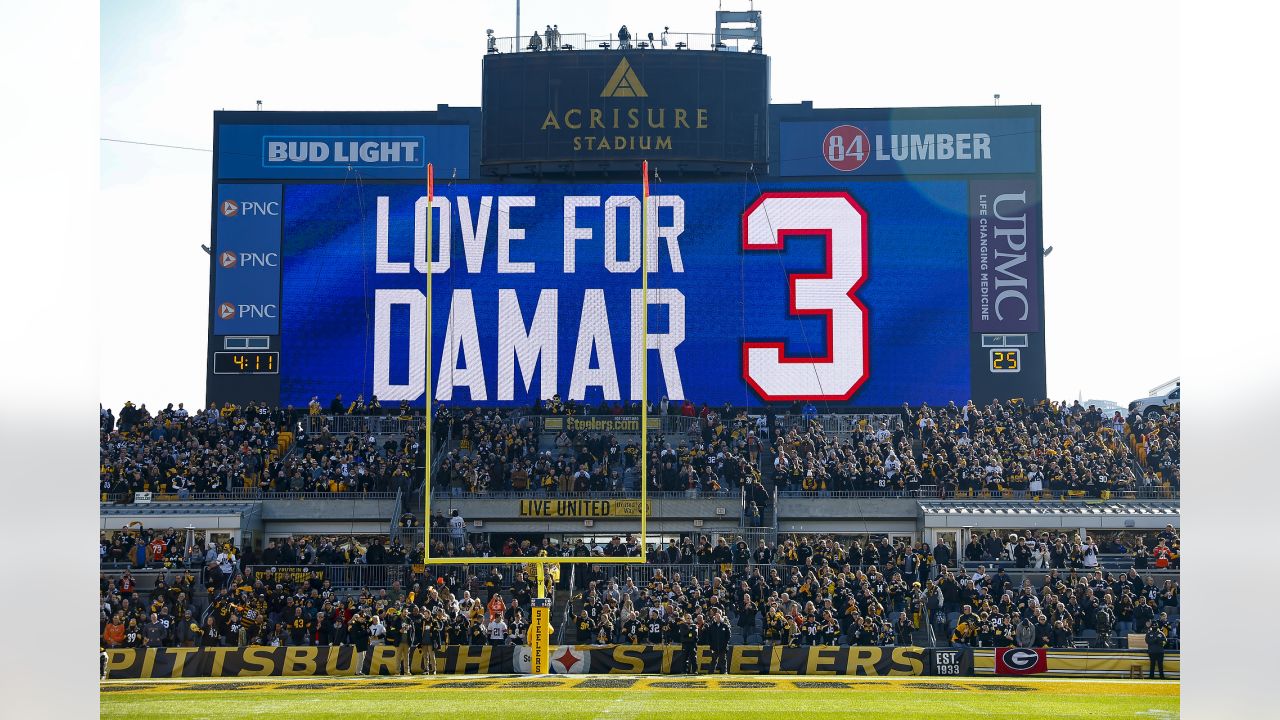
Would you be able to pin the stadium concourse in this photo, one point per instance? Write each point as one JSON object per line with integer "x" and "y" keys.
{"x": 255, "y": 525}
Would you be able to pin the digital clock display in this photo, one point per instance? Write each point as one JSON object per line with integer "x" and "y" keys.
{"x": 1006, "y": 361}
{"x": 246, "y": 363}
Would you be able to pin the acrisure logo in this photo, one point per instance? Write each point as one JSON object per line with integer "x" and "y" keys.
{"x": 623, "y": 82}
{"x": 230, "y": 208}
{"x": 226, "y": 311}
{"x": 228, "y": 260}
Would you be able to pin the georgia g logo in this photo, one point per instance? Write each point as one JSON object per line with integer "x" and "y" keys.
{"x": 1020, "y": 661}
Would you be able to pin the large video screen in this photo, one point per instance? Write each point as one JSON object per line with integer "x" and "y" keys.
{"x": 887, "y": 256}
{"x": 846, "y": 292}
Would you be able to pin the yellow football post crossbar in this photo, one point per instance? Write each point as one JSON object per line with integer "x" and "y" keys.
{"x": 540, "y": 626}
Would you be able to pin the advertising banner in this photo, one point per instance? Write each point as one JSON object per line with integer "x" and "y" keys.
{"x": 483, "y": 659}
{"x": 580, "y": 508}
{"x": 899, "y": 146}
{"x": 260, "y": 660}
{"x": 1068, "y": 663}
{"x": 1020, "y": 661}
{"x": 246, "y": 271}
{"x": 601, "y": 107}
{"x": 1005, "y": 256}
{"x": 288, "y": 573}
{"x": 336, "y": 152}
{"x": 955, "y": 662}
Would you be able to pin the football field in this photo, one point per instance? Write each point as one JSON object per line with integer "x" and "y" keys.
{"x": 569, "y": 697}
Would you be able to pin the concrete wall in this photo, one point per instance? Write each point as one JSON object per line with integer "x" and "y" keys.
{"x": 328, "y": 510}
{"x": 850, "y": 508}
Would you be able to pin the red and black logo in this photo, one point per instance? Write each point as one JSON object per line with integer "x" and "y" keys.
{"x": 1021, "y": 661}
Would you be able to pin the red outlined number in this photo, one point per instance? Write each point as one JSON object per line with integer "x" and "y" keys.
{"x": 842, "y": 223}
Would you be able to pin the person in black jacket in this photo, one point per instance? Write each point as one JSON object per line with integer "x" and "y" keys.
{"x": 688, "y": 636}
{"x": 1155, "y": 652}
{"x": 358, "y": 635}
{"x": 942, "y": 554}
{"x": 717, "y": 636}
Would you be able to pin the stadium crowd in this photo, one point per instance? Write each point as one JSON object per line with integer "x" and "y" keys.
{"x": 1020, "y": 449}
{"x": 806, "y": 592}
{"x": 235, "y": 448}
{"x": 177, "y": 451}
{"x": 496, "y": 450}
{"x": 141, "y": 547}
{"x": 1024, "y": 449}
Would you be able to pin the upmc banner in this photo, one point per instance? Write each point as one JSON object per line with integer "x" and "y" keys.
{"x": 1004, "y": 258}
{"x": 565, "y": 659}
{"x": 845, "y": 292}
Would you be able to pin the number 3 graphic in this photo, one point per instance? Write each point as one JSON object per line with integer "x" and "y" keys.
{"x": 838, "y": 373}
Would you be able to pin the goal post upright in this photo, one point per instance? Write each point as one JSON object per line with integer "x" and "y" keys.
{"x": 426, "y": 482}
{"x": 644, "y": 361}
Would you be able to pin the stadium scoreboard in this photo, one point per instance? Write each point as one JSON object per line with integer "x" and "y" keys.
{"x": 853, "y": 257}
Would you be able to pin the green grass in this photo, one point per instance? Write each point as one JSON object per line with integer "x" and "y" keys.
{"x": 560, "y": 698}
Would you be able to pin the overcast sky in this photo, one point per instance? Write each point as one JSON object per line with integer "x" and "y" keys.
{"x": 1108, "y": 90}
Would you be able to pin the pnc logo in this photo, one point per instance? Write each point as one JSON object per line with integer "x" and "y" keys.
{"x": 230, "y": 259}
{"x": 623, "y": 83}
{"x": 232, "y": 208}
{"x": 231, "y": 311}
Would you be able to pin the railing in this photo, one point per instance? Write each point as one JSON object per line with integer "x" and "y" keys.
{"x": 842, "y": 424}
{"x": 568, "y": 603}
{"x": 377, "y": 576}
{"x": 347, "y": 576}
{"x": 360, "y": 424}
{"x": 1106, "y": 563}
{"x": 248, "y": 495}
{"x": 925, "y": 493}
{"x": 640, "y": 40}
{"x": 933, "y": 492}
{"x": 625, "y": 424}
{"x": 444, "y": 494}
{"x": 396, "y": 512}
